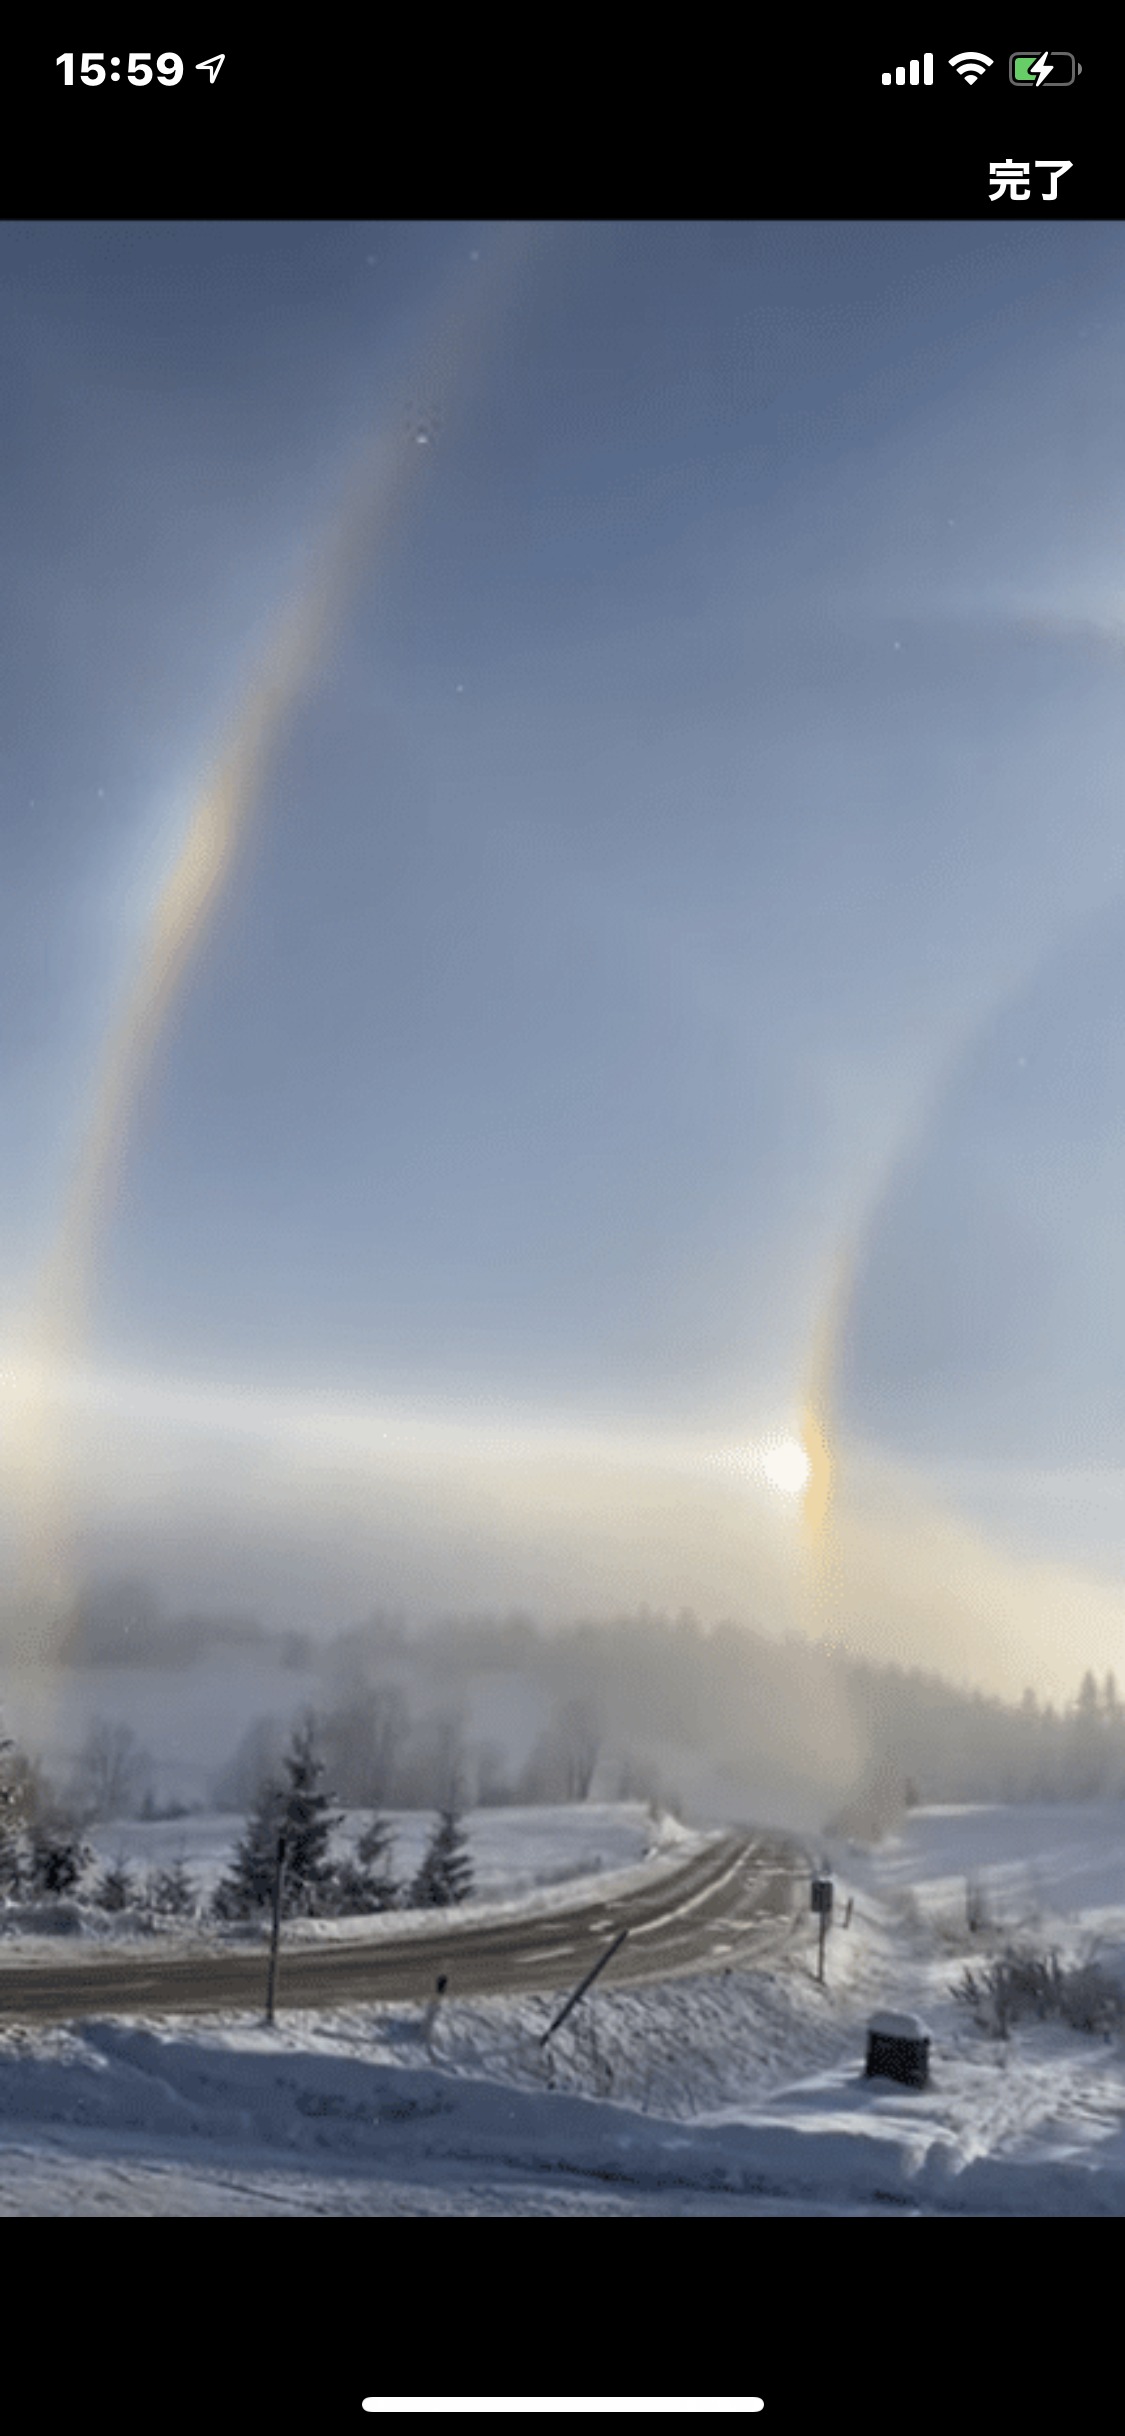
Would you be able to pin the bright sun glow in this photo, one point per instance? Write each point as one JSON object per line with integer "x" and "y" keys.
{"x": 786, "y": 1466}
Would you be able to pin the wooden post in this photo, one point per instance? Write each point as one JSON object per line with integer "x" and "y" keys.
{"x": 275, "y": 1930}
{"x": 820, "y": 1949}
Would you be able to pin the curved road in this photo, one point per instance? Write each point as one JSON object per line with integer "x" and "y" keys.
{"x": 731, "y": 1904}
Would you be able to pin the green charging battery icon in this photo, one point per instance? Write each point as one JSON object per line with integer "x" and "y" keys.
{"x": 1043, "y": 68}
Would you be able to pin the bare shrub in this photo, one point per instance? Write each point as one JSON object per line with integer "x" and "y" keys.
{"x": 1036, "y": 1987}
{"x": 113, "y": 1774}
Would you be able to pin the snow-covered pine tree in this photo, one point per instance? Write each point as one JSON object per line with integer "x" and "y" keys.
{"x": 373, "y": 1855}
{"x": 310, "y": 1823}
{"x": 1087, "y": 1741}
{"x": 11, "y": 1841}
{"x": 7, "y": 1768}
{"x": 115, "y": 1890}
{"x": 21, "y": 1802}
{"x": 56, "y": 1859}
{"x": 446, "y": 1873}
{"x": 364, "y": 1883}
{"x": 373, "y": 1850}
{"x": 12, "y": 1862}
{"x": 306, "y": 1814}
{"x": 172, "y": 1890}
{"x": 247, "y": 1888}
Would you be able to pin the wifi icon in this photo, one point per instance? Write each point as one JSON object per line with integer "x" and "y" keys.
{"x": 971, "y": 65}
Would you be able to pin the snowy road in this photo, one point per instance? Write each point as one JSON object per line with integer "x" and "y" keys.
{"x": 730, "y": 1904}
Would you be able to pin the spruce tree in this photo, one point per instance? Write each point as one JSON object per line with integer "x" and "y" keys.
{"x": 172, "y": 1891}
{"x": 446, "y": 1874}
{"x": 373, "y": 1852}
{"x": 310, "y": 1823}
{"x": 21, "y": 1799}
{"x": 56, "y": 1859}
{"x": 13, "y": 1858}
{"x": 114, "y": 1892}
{"x": 365, "y": 1883}
{"x": 41, "y": 1848}
{"x": 305, "y": 1814}
{"x": 11, "y": 1842}
{"x": 248, "y": 1886}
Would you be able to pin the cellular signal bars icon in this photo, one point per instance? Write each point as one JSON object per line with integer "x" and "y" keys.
{"x": 919, "y": 72}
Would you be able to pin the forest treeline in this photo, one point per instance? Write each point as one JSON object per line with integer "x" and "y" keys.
{"x": 488, "y": 1711}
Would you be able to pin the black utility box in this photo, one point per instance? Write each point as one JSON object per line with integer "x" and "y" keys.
{"x": 898, "y": 2049}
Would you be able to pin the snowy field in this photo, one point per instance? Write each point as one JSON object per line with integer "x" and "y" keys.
{"x": 734, "y": 2093}
{"x": 1057, "y": 1861}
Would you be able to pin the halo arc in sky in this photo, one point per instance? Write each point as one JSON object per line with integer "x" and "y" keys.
{"x": 819, "y": 1434}
{"x": 480, "y": 288}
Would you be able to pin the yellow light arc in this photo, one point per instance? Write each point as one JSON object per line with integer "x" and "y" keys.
{"x": 56, "y": 1315}
{"x": 816, "y": 1436}
{"x": 819, "y": 1434}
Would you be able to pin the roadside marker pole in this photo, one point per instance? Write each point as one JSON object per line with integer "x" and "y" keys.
{"x": 583, "y": 1984}
{"x": 821, "y": 1894}
{"x": 275, "y": 1930}
{"x": 429, "y": 2018}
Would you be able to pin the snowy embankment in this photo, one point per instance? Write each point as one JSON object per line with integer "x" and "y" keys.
{"x": 739, "y": 2092}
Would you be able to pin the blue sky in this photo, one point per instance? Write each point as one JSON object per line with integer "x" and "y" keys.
{"x": 701, "y": 842}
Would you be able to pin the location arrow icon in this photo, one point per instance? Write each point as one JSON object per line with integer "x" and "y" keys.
{"x": 212, "y": 65}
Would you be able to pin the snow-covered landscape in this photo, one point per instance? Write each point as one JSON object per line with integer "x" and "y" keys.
{"x": 732, "y": 2092}
{"x": 562, "y": 1557}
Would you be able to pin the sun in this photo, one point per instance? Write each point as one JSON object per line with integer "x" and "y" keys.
{"x": 786, "y": 1466}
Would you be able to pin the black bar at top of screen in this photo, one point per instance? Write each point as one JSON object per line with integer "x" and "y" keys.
{"x": 795, "y": 124}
